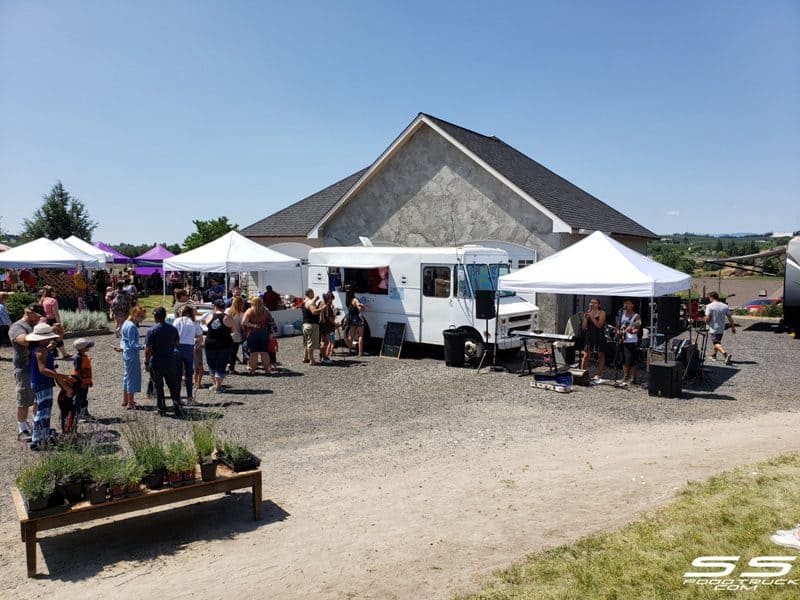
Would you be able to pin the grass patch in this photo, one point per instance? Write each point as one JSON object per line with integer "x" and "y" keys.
{"x": 731, "y": 514}
{"x": 154, "y": 300}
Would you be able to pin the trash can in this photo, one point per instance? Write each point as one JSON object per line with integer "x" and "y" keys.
{"x": 454, "y": 347}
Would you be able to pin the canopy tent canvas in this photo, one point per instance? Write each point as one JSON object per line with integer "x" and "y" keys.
{"x": 151, "y": 261}
{"x": 597, "y": 265}
{"x": 231, "y": 253}
{"x": 46, "y": 254}
{"x": 117, "y": 256}
{"x": 89, "y": 261}
{"x": 87, "y": 248}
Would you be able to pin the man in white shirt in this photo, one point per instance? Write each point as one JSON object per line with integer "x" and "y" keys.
{"x": 717, "y": 313}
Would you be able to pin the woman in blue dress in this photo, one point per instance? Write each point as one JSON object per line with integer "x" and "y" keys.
{"x": 131, "y": 350}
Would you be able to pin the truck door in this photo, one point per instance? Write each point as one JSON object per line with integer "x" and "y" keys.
{"x": 435, "y": 302}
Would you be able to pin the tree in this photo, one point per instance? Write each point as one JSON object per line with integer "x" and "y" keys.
{"x": 61, "y": 216}
{"x": 207, "y": 231}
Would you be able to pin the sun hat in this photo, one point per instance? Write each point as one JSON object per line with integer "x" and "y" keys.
{"x": 42, "y": 331}
{"x": 82, "y": 343}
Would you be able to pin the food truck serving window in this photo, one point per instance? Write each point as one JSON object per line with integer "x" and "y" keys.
{"x": 484, "y": 277}
{"x": 367, "y": 281}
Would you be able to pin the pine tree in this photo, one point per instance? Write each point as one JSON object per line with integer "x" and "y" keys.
{"x": 61, "y": 215}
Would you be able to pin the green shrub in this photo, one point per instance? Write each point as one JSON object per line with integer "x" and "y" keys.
{"x": 132, "y": 471}
{"x": 180, "y": 456}
{"x": 235, "y": 451}
{"x": 203, "y": 437}
{"x": 107, "y": 469}
{"x": 83, "y": 320}
{"x": 17, "y": 302}
{"x": 146, "y": 443}
{"x": 773, "y": 310}
{"x": 70, "y": 465}
{"x": 36, "y": 480}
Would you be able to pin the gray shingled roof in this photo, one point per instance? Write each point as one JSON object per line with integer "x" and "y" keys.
{"x": 300, "y": 217}
{"x": 567, "y": 201}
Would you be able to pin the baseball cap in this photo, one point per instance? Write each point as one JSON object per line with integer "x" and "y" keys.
{"x": 82, "y": 343}
{"x": 37, "y": 308}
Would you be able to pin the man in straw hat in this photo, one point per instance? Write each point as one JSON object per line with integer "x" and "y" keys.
{"x": 22, "y": 371}
{"x": 43, "y": 379}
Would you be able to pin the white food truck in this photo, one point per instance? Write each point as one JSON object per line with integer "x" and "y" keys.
{"x": 427, "y": 289}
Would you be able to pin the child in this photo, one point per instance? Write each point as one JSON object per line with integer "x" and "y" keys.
{"x": 198, "y": 358}
{"x": 82, "y": 373}
{"x": 44, "y": 377}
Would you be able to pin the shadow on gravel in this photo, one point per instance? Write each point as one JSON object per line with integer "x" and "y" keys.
{"x": 697, "y": 395}
{"x": 765, "y": 326}
{"x": 242, "y": 392}
{"x": 150, "y": 537}
{"x": 110, "y": 420}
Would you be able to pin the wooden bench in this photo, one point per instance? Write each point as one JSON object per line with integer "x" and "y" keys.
{"x": 41, "y": 520}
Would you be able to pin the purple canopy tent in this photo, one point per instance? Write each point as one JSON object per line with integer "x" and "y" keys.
{"x": 150, "y": 262}
{"x": 119, "y": 258}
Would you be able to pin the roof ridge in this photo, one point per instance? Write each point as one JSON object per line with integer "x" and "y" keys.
{"x": 483, "y": 135}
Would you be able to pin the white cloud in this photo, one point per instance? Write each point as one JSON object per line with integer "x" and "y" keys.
{"x": 673, "y": 213}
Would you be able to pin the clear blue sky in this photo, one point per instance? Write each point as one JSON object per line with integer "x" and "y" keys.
{"x": 683, "y": 115}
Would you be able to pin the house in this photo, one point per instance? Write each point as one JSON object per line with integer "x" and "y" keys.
{"x": 439, "y": 184}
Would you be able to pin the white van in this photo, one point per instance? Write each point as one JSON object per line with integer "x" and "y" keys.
{"x": 427, "y": 289}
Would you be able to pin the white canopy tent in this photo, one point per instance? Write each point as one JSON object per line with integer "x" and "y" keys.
{"x": 47, "y": 254}
{"x": 597, "y": 265}
{"x": 231, "y": 253}
{"x": 87, "y": 248}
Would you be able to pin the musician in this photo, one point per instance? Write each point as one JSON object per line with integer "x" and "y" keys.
{"x": 593, "y": 323}
{"x": 630, "y": 324}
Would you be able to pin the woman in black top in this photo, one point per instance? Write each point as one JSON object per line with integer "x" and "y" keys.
{"x": 219, "y": 343}
{"x": 593, "y": 323}
{"x": 355, "y": 323}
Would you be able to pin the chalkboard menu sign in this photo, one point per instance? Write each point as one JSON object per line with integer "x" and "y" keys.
{"x": 393, "y": 339}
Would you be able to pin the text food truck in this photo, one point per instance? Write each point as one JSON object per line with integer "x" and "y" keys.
{"x": 427, "y": 289}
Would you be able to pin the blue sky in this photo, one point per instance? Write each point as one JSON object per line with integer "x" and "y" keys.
{"x": 682, "y": 115}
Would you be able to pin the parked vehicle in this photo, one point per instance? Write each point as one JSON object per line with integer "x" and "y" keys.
{"x": 791, "y": 287}
{"x": 757, "y": 304}
{"x": 427, "y": 289}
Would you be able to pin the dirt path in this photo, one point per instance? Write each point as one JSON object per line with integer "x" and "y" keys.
{"x": 384, "y": 524}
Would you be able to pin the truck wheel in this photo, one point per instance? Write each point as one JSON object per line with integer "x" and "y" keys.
{"x": 473, "y": 345}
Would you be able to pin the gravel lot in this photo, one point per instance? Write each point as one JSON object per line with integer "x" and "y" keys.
{"x": 330, "y": 419}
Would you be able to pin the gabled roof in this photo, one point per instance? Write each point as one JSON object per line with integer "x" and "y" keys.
{"x": 570, "y": 208}
{"x": 300, "y": 217}
{"x": 564, "y": 199}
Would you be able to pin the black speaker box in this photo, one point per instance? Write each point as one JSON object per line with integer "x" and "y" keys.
{"x": 669, "y": 315}
{"x": 665, "y": 379}
{"x": 484, "y": 304}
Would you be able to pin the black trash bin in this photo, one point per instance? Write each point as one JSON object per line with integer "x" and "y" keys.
{"x": 454, "y": 342}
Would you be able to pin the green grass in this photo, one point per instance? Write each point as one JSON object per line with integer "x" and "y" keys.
{"x": 732, "y": 514}
{"x": 153, "y": 300}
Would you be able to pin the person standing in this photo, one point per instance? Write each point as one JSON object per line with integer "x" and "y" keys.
{"x": 120, "y": 307}
{"x": 256, "y": 323}
{"x": 82, "y": 374}
{"x": 327, "y": 327}
{"x": 593, "y": 323}
{"x": 53, "y": 317}
{"x": 188, "y": 332}
{"x": 355, "y": 325}
{"x": 629, "y": 327}
{"x": 236, "y": 312}
{"x": 218, "y": 344}
{"x": 131, "y": 357}
{"x": 272, "y": 299}
{"x": 310, "y": 310}
{"x": 717, "y": 313}
{"x": 21, "y": 362}
{"x": 43, "y": 379}
{"x": 159, "y": 357}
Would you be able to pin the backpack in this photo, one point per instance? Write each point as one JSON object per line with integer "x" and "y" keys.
{"x": 121, "y": 303}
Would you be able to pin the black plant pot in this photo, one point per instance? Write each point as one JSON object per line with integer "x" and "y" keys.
{"x": 155, "y": 480}
{"x": 73, "y": 491}
{"x": 97, "y": 493}
{"x": 55, "y": 499}
{"x": 37, "y": 503}
{"x": 175, "y": 478}
{"x": 208, "y": 469}
{"x": 251, "y": 461}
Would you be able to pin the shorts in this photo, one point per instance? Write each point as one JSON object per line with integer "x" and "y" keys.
{"x": 25, "y": 397}
{"x": 311, "y": 335}
{"x": 198, "y": 358}
{"x": 716, "y": 338}
{"x": 630, "y": 354}
{"x": 258, "y": 341}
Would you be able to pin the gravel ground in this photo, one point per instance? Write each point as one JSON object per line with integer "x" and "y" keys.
{"x": 421, "y": 406}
